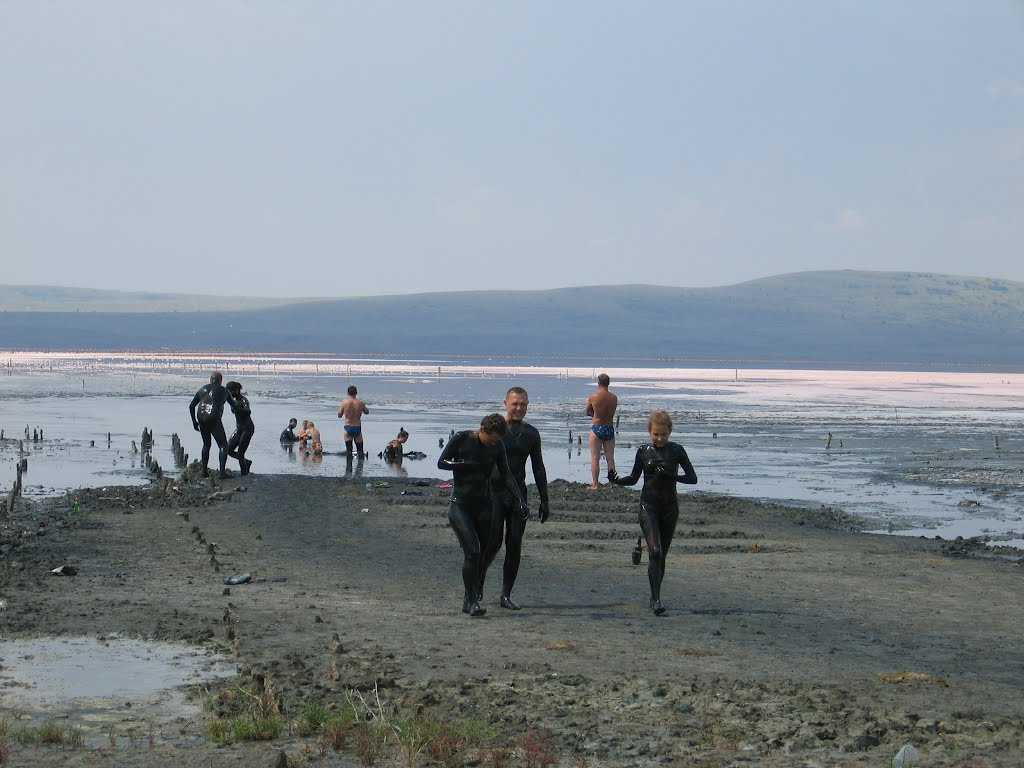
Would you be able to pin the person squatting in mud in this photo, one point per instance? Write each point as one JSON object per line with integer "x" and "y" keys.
{"x": 659, "y": 462}
{"x": 238, "y": 444}
{"x": 473, "y": 457}
{"x": 522, "y": 442}
{"x": 206, "y": 410}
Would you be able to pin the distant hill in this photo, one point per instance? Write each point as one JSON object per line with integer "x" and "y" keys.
{"x": 834, "y": 318}
{"x": 48, "y": 298}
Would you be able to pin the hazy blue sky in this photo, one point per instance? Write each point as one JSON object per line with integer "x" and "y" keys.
{"x": 331, "y": 148}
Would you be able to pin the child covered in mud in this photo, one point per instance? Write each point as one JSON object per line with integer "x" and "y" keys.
{"x": 238, "y": 443}
{"x": 659, "y": 462}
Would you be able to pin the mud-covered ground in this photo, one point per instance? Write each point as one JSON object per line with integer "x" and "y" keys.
{"x": 791, "y": 640}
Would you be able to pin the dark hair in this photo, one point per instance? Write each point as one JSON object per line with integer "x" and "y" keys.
{"x": 603, "y": 380}
{"x": 293, "y": 420}
{"x": 402, "y": 432}
{"x": 493, "y": 424}
{"x": 233, "y": 386}
{"x": 516, "y": 391}
{"x": 352, "y": 390}
{"x": 218, "y": 376}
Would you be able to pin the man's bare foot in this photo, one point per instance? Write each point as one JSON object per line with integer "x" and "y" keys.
{"x": 594, "y": 488}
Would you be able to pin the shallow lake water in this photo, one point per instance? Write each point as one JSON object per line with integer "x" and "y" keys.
{"x": 917, "y": 452}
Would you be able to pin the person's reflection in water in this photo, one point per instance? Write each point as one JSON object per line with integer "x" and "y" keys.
{"x": 289, "y": 448}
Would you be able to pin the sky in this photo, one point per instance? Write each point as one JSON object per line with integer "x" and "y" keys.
{"x": 341, "y": 149}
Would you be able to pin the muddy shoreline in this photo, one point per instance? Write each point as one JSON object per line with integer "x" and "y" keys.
{"x": 791, "y": 639}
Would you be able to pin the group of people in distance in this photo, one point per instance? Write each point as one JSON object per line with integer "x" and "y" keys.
{"x": 489, "y": 500}
{"x": 309, "y": 438}
{"x": 488, "y": 504}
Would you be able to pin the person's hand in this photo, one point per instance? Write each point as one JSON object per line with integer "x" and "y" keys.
{"x": 612, "y": 475}
{"x": 543, "y": 511}
{"x": 524, "y": 511}
{"x": 195, "y": 425}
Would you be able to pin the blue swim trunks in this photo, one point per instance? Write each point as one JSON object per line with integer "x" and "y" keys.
{"x": 353, "y": 431}
{"x": 603, "y": 431}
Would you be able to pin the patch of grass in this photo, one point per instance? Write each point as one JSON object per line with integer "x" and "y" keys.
{"x": 476, "y": 731}
{"x": 370, "y": 741}
{"x": 47, "y": 734}
{"x": 538, "y": 749}
{"x": 312, "y": 720}
{"x": 245, "y": 728}
{"x": 415, "y": 735}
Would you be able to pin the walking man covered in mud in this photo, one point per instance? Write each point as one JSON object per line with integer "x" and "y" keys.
{"x": 522, "y": 442}
{"x": 352, "y": 410}
{"x": 601, "y": 408}
{"x": 206, "y": 410}
{"x": 473, "y": 457}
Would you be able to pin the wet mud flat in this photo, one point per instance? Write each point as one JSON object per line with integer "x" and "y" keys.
{"x": 791, "y": 639}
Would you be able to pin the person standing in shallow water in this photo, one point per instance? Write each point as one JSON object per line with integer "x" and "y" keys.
{"x": 352, "y": 410}
{"x": 659, "y": 462}
{"x": 522, "y": 442}
{"x": 601, "y": 408}
{"x": 473, "y": 457}
{"x": 206, "y": 410}
{"x": 238, "y": 444}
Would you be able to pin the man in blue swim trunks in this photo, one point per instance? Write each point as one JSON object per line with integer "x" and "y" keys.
{"x": 601, "y": 408}
{"x": 352, "y": 410}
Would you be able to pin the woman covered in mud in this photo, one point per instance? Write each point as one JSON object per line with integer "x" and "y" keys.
{"x": 238, "y": 443}
{"x": 473, "y": 457}
{"x": 659, "y": 462}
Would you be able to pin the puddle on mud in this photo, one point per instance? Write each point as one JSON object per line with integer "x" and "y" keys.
{"x": 100, "y": 682}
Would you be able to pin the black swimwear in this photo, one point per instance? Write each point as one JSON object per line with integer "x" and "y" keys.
{"x": 244, "y": 430}
{"x": 522, "y": 442}
{"x": 659, "y": 504}
{"x": 469, "y": 511}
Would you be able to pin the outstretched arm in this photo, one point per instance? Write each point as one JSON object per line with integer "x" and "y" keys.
{"x": 689, "y": 476}
{"x": 633, "y": 477}
{"x": 540, "y": 477}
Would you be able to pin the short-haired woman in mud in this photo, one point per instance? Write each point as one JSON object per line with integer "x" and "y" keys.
{"x": 660, "y": 462}
{"x": 472, "y": 456}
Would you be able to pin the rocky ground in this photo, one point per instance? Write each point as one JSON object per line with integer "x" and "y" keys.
{"x": 791, "y": 639}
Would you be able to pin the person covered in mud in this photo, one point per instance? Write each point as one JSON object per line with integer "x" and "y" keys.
{"x": 601, "y": 409}
{"x": 522, "y": 442}
{"x": 238, "y": 443}
{"x": 352, "y": 410}
{"x": 394, "y": 451}
{"x": 659, "y": 462}
{"x": 288, "y": 433}
{"x": 473, "y": 457}
{"x": 206, "y": 410}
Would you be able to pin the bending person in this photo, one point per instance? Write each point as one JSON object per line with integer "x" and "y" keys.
{"x": 244, "y": 428}
{"x": 206, "y": 410}
{"x": 659, "y": 462}
{"x": 521, "y": 441}
{"x": 473, "y": 457}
